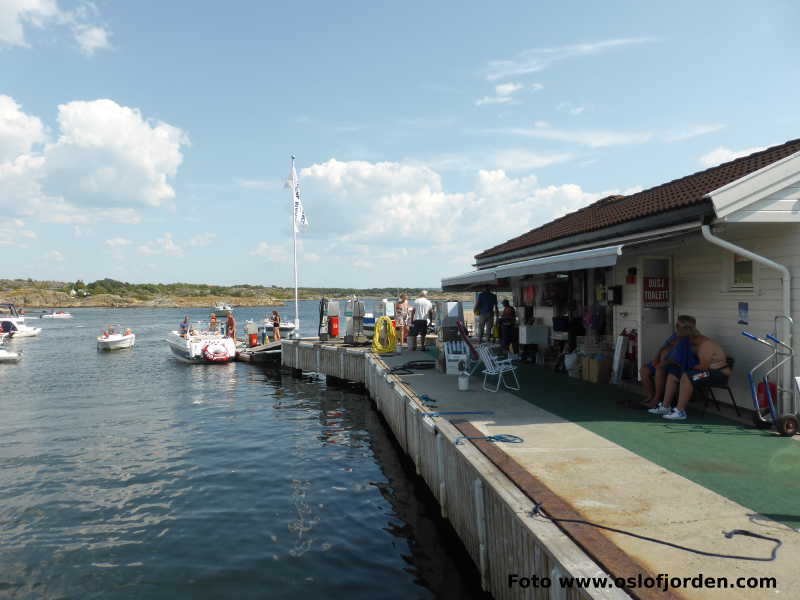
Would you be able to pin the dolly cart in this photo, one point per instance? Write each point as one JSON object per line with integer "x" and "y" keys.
{"x": 786, "y": 424}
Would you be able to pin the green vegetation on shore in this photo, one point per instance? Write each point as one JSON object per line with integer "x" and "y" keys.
{"x": 110, "y": 292}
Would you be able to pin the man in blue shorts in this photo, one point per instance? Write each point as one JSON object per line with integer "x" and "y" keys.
{"x": 672, "y": 358}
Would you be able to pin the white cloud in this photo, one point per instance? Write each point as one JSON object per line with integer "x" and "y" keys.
{"x": 13, "y": 233}
{"x": 54, "y": 256}
{"x": 164, "y": 246}
{"x": 692, "y": 131}
{"x": 107, "y": 162}
{"x": 16, "y": 15}
{"x": 280, "y": 254}
{"x": 514, "y": 159}
{"x": 117, "y": 242}
{"x": 536, "y": 87}
{"x": 592, "y": 138}
{"x": 506, "y": 89}
{"x": 90, "y": 38}
{"x": 19, "y": 132}
{"x": 203, "y": 239}
{"x": 503, "y": 94}
{"x": 722, "y": 155}
{"x": 538, "y": 59}
{"x": 493, "y": 100}
{"x": 394, "y": 208}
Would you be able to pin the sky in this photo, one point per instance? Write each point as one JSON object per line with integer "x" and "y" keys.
{"x": 150, "y": 141}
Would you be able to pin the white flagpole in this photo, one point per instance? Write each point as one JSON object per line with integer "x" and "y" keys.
{"x": 294, "y": 240}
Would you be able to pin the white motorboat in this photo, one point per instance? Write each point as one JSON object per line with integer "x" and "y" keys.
{"x": 60, "y": 314}
{"x": 286, "y": 329}
{"x": 199, "y": 343}
{"x": 13, "y": 322}
{"x": 222, "y": 308}
{"x": 116, "y": 338}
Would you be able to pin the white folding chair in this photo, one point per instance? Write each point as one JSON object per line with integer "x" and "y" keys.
{"x": 495, "y": 366}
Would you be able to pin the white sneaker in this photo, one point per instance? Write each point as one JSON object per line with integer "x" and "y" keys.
{"x": 675, "y": 415}
{"x": 659, "y": 410}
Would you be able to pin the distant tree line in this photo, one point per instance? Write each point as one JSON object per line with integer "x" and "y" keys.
{"x": 148, "y": 291}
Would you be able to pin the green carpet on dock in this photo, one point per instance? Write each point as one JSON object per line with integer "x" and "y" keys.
{"x": 757, "y": 469}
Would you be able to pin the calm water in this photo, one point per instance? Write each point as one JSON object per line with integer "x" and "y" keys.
{"x": 132, "y": 475}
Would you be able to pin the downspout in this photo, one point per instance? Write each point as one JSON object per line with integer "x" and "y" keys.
{"x": 786, "y": 278}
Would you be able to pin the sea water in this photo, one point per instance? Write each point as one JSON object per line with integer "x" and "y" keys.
{"x": 133, "y": 475}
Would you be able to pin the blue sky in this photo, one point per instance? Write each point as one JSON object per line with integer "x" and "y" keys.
{"x": 149, "y": 141}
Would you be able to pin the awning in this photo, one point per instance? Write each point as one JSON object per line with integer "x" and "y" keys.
{"x": 571, "y": 261}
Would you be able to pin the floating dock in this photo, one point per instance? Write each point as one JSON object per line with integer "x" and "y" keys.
{"x": 262, "y": 353}
{"x": 583, "y": 456}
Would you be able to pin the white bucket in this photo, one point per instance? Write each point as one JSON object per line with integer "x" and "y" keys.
{"x": 463, "y": 382}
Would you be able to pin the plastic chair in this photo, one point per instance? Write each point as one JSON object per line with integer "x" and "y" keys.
{"x": 494, "y": 366}
{"x": 708, "y": 392}
{"x": 474, "y": 358}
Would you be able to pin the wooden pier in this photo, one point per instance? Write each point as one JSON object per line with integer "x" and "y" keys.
{"x": 490, "y": 514}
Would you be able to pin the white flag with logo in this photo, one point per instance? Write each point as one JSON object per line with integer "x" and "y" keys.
{"x": 300, "y": 220}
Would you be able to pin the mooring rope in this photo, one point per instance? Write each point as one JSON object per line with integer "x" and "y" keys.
{"x": 539, "y": 511}
{"x": 505, "y": 438}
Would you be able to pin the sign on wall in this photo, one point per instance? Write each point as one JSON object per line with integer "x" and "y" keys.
{"x": 655, "y": 291}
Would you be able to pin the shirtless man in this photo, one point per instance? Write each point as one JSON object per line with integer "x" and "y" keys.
{"x": 711, "y": 369}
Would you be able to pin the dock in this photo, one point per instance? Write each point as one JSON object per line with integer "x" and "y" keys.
{"x": 262, "y": 353}
{"x": 583, "y": 456}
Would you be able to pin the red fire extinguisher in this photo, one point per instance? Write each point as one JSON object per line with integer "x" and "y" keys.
{"x": 761, "y": 394}
{"x": 632, "y": 344}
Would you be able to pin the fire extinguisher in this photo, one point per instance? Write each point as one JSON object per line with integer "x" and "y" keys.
{"x": 632, "y": 344}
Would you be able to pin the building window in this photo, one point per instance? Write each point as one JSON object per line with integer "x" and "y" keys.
{"x": 743, "y": 273}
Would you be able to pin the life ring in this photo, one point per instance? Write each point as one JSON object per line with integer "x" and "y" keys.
{"x": 215, "y": 352}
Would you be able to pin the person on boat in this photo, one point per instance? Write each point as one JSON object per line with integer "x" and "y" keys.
{"x": 128, "y": 331}
{"x": 402, "y": 318}
{"x": 8, "y": 327}
{"x": 276, "y": 326}
{"x": 183, "y": 328}
{"x": 230, "y": 326}
{"x": 420, "y": 313}
{"x": 212, "y": 323}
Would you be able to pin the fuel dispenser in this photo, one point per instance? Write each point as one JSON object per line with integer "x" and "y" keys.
{"x": 354, "y": 321}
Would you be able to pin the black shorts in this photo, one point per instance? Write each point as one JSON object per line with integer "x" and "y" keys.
{"x": 712, "y": 377}
{"x": 419, "y": 327}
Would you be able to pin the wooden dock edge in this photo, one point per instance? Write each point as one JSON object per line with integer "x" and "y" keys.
{"x": 489, "y": 513}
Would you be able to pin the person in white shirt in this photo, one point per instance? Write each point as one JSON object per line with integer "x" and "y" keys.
{"x": 420, "y": 312}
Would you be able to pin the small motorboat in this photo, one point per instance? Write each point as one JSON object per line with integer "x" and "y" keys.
{"x": 60, "y": 314}
{"x": 116, "y": 338}
{"x": 286, "y": 328}
{"x": 201, "y": 342}
{"x": 12, "y": 321}
{"x": 222, "y": 308}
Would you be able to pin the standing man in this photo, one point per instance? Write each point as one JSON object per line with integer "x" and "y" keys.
{"x": 230, "y": 326}
{"x": 487, "y": 310}
{"x": 420, "y": 312}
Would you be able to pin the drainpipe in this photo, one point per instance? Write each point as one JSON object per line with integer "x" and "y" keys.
{"x": 786, "y": 277}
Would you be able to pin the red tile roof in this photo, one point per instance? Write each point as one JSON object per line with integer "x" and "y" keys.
{"x": 679, "y": 193}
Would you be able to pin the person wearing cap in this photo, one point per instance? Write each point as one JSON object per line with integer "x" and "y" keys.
{"x": 420, "y": 313}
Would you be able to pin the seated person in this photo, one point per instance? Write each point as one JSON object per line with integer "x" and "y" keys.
{"x": 670, "y": 355}
{"x": 711, "y": 369}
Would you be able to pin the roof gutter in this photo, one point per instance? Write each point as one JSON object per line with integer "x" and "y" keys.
{"x": 786, "y": 278}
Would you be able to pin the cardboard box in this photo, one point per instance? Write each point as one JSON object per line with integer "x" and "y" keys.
{"x": 599, "y": 370}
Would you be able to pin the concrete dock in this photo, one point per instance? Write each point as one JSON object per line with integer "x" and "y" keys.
{"x": 682, "y": 483}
